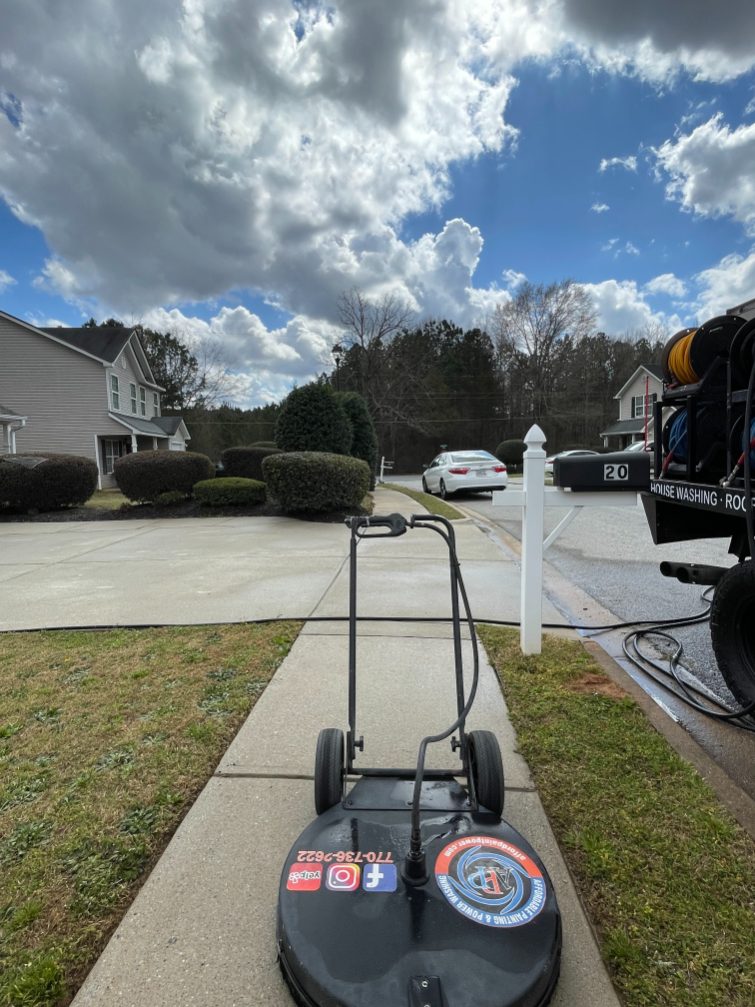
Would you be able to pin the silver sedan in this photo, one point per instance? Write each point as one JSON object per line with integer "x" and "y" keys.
{"x": 464, "y": 470}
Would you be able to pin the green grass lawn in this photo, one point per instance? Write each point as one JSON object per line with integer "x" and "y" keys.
{"x": 106, "y": 500}
{"x": 433, "y": 504}
{"x": 665, "y": 873}
{"x": 105, "y": 741}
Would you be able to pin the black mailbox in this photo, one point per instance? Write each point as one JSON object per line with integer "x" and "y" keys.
{"x": 621, "y": 470}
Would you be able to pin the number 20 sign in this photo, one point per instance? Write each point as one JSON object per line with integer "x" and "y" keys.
{"x": 615, "y": 473}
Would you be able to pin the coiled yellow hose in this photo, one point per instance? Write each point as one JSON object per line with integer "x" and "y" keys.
{"x": 678, "y": 361}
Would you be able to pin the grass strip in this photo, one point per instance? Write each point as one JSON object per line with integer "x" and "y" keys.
{"x": 106, "y": 739}
{"x": 430, "y": 503}
{"x": 665, "y": 873}
{"x": 107, "y": 500}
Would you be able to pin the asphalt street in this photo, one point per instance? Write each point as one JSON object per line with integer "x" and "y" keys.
{"x": 609, "y": 553}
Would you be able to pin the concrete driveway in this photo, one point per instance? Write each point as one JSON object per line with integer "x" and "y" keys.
{"x": 199, "y": 570}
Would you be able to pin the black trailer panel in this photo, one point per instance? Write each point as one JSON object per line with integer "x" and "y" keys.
{"x": 677, "y": 511}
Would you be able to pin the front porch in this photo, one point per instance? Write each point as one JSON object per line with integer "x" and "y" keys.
{"x": 10, "y": 422}
{"x": 625, "y": 432}
{"x": 161, "y": 433}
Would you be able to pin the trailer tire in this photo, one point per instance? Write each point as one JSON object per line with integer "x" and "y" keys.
{"x": 486, "y": 767}
{"x": 329, "y": 769}
{"x": 732, "y": 630}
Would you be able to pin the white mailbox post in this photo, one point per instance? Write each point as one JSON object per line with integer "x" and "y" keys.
{"x": 533, "y": 498}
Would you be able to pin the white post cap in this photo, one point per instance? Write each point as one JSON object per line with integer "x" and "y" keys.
{"x": 535, "y": 437}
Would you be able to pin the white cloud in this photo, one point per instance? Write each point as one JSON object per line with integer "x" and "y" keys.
{"x": 621, "y": 307}
{"x": 630, "y": 163}
{"x": 6, "y": 280}
{"x": 612, "y": 245}
{"x": 659, "y": 40}
{"x": 512, "y": 279}
{"x": 264, "y": 363}
{"x": 667, "y": 283}
{"x": 725, "y": 285}
{"x": 600, "y": 207}
{"x": 225, "y": 152}
{"x": 172, "y": 151}
{"x": 712, "y": 171}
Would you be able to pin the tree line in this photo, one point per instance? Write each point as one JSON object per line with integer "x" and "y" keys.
{"x": 430, "y": 383}
{"x": 536, "y": 359}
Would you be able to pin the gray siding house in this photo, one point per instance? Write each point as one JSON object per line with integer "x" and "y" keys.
{"x": 83, "y": 392}
{"x": 630, "y": 426}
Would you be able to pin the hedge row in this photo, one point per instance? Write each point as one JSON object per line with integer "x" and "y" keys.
{"x": 246, "y": 462}
{"x": 223, "y": 491}
{"x": 511, "y": 453}
{"x": 303, "y": 481}
{"x": 144, "y": 475}
{"x": 45, "y": 482}
{"x": 364, "y": 443}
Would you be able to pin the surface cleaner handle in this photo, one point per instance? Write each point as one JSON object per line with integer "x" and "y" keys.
{"x": 395, "y": 523}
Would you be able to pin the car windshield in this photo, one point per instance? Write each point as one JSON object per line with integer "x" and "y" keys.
{"x": 472, "y": 456}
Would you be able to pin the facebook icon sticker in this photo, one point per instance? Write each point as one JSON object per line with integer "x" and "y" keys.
{"x": 379, "y": 878}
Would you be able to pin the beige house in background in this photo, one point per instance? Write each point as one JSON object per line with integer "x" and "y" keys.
{"x": 630, "y": 426}
{"x": 83, "y": 392}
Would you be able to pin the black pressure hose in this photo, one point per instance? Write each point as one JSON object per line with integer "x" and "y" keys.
{"x": 670, "y": 679}
{"x": 415, "y": 865}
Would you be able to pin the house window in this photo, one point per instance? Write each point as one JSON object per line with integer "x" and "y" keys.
{"x": 132, "y": 386}
{"x": 156, "y": 402}
{"x": 111, "y": 452}
{"x": 638, "y": 405}
{"x": 114, "y": 392}
{"x": 143, "y": 401}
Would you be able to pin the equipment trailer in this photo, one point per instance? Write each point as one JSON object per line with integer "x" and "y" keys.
{"x": 697, "y": 489}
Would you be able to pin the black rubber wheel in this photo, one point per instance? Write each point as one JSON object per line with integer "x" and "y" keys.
{"x": 732, "y": 630}
{"x": 329, "y": 769}
{"x": 425, "y": 487}
{"x": 486, "y": 767}
{"x": 444, "y": 494}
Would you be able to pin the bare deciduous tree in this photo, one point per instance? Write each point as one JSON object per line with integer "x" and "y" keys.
{"x": 534, "y": 323}
{"x": 371, "y": 325}
{"x": 369, "y": 322}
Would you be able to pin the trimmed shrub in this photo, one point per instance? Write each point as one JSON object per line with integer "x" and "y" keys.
{"x": 312, "y": 419}
{"x": 263, "y": 444}
{"x": 511, "y": 453}
{"x": 228, "y": 491}
{"x": 246, "y": 463}
{"x": 170, "y": 499}
{"x": 45, "y": 481}
{"x": 365, "y": 443}
{"x": 315, "y": 481}
{"x": 144, "y": 475}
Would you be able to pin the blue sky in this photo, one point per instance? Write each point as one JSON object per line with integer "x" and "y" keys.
{"x": 238, "y": 168}
{"x": 533, "y": 205}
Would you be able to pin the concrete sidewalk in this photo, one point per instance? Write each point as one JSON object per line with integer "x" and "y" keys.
{"x": 201, "y": 931}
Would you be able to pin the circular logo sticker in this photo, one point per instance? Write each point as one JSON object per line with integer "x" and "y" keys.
{"x": 490, "y": 881}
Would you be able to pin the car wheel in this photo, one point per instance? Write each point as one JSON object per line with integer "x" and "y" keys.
{"x": 425, "y": 487}
{"x": 444, "y": 494}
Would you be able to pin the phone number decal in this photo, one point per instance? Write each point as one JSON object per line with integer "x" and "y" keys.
{"x": 343, "y": 856}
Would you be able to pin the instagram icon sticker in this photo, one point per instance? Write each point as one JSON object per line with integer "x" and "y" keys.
{"x": 342, "y": 877}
